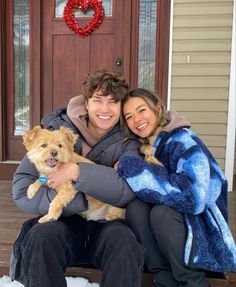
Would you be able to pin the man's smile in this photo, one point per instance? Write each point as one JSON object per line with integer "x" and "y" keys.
{"x": 104, "y": 117}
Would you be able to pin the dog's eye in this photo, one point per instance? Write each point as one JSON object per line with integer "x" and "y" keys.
{"x": 60, "y": 145}
{"x": 44, "y": 145}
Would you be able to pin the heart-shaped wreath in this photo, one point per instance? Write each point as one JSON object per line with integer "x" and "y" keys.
{"x": 83, "y": 5}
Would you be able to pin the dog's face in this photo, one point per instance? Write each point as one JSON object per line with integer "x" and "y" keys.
{"x": 49, "y": 149}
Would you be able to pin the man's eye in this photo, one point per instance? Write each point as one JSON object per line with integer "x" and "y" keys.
{"x": 60, "y": 145}
{"x": 44, "y": 145}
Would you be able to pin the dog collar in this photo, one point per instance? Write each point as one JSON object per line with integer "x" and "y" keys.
{"x": 43, "y": 179}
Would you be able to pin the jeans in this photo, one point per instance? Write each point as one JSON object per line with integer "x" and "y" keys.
{"x": 49, "y": 248}
{"x": 162, "y": 232}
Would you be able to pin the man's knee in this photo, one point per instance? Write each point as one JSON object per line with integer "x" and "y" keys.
{"x": 128, "y": 245}
{"x": 120, "y": 241}
{"x": 46, "y": 232}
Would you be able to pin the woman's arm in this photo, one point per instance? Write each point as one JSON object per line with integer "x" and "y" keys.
{"x": 188, "y": 187}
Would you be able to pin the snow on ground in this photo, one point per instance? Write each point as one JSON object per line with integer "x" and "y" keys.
{"x": 5, "y": 281}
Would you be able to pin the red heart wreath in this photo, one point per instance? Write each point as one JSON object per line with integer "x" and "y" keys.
{"x": 83, "y": 5}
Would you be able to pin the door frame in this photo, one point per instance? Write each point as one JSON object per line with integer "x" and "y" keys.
{"x": 2, "y": 77}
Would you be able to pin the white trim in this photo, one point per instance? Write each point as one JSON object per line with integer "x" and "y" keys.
{"x": 230, "y": 141}
{"x": 170, "y": 54}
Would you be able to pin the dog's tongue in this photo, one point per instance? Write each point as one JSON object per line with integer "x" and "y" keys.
{"x": 51, "y": 162}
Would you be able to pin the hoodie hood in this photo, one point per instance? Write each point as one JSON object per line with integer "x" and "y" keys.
{"x": 78, "y": 114}
{"x": 174, "y": 121}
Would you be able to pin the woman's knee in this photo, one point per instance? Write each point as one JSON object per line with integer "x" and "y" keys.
{"x": 167, "y": 224}
{"x": 162, "y": 214}
{"x": 137, "y": 212}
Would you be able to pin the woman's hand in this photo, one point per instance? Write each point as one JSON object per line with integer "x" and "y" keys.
{"x": 116, "y": 165}
{"x": 66, "y": 172}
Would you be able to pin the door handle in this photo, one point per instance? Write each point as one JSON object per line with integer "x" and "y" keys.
{"x": 118, "y": 62}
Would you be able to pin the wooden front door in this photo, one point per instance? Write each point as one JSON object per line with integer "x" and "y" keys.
{"x": 59, "y": 60}
{"x": 68, "y": 58}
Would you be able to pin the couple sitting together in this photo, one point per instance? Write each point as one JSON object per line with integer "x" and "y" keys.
{"x": 173, "y": 190}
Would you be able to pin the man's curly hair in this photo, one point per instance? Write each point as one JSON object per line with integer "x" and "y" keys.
{"x": 107, "y": 82}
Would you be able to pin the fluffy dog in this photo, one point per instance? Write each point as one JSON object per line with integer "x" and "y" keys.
{"x": 47, "y": 150}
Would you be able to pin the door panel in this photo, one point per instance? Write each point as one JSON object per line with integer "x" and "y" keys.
{"x": 68, "y": 58}
{"x": 63, "y": 69}
{"x": 100, "y": 45}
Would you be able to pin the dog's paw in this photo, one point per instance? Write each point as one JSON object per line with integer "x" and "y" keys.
{"x": 46, "y": 218}
{"x": 115, "y": 213}
{"x": 31, "y": 191}
{"x": 110, "y": 217}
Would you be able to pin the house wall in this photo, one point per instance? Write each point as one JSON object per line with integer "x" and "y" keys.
{"x": 200, "y": 71}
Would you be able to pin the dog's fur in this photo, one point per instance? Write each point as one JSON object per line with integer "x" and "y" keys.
{"x": 146, "y": 148}
{"x": 48, "y": 150}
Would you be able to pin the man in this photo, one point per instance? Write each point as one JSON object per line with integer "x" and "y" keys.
{"x": 43, "y": 251}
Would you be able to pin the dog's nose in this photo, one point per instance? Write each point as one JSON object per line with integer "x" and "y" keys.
{"x": 53, "y": 153}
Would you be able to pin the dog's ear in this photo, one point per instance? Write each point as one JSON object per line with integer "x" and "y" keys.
{"x": 29, "y": 136}
{"x": 69, "y": 134}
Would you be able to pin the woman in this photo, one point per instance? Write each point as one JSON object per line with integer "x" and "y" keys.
{"x": 181, "y": 219}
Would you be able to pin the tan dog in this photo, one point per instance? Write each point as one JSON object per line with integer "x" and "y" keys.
{"x": 48, "y": 150}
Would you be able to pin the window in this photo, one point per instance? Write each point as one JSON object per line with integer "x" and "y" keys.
{"x": 147, "y": 43}
{"x": 60, "y": 5}
{"x": 21, "y": 66}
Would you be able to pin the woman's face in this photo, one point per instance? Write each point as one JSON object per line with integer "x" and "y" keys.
{"x": 140, "y": 119}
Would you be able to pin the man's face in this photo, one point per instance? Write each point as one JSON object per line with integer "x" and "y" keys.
{"x": 103, "y": 113}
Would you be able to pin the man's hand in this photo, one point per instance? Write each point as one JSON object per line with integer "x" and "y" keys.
{"x": 66, "y": 172}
